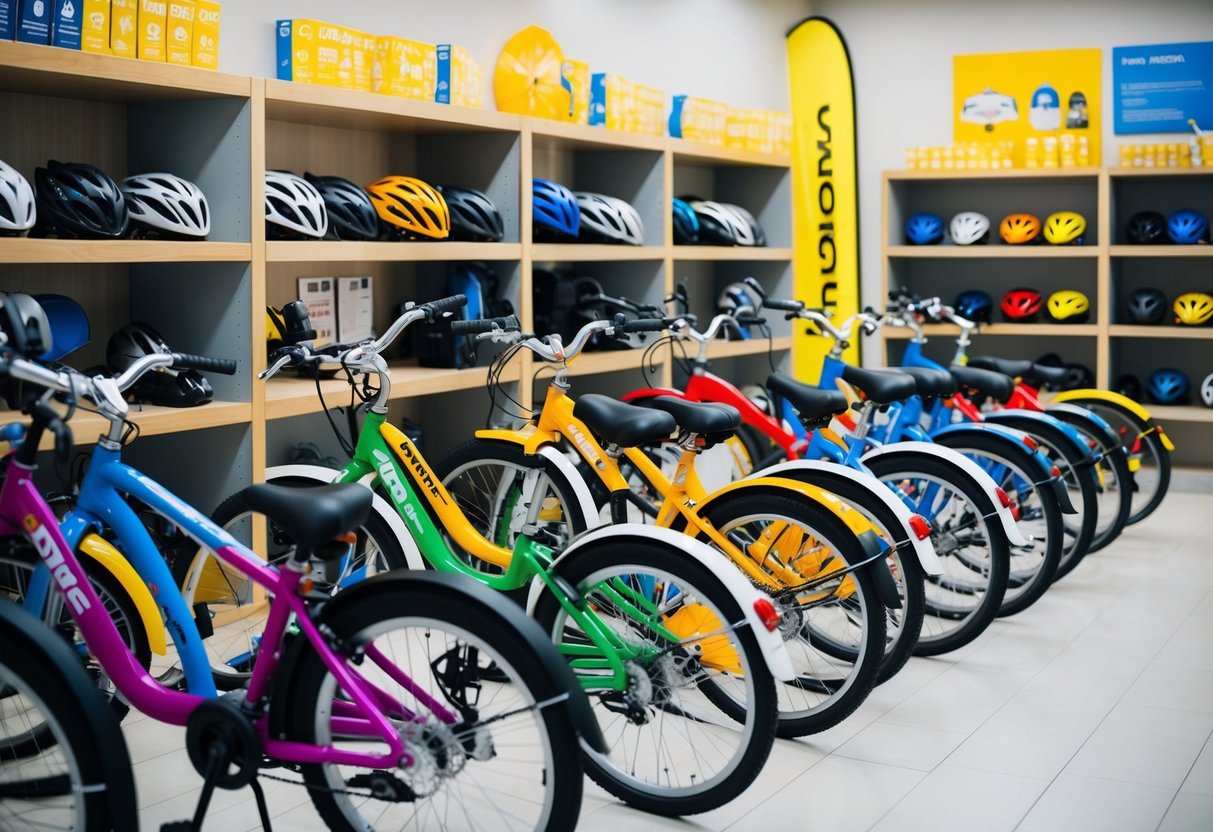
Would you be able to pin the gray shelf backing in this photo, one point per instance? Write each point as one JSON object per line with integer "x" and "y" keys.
{"x": 948, "y": 277}
{"x": 706, "y": 280}
{"x": 1130, "y": 195}
{"x": 1142, "y": 356}
{"x": 38, "y": 128}
{"x": 203, "y": 467}
{"x": 1173, "y": 275}
{"x": 763, "y": 191}
{"x": 488, "y": 161}
{"x": 632, "y": 175}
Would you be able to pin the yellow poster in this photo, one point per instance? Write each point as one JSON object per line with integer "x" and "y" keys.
{"x": 1047, "y": 102}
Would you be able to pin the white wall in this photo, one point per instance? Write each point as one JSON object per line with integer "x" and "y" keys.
{"x": 726, "y": 49}
{"x": 901, "y": 55}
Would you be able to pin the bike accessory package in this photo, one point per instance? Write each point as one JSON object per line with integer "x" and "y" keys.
{"x": 68, "y": 323}
{"x": 1021, "y": 305}
{"x": 165, "y": 206}
{"x": 18, "y": 211}
{"x": 1128, "y": 385}
{"x": 1193, "y": 309}
{"x": 1186, "y": 227}
{"x": 79, "y": 200}
{"x": 409, "y": 208}
{"x": 1206, "y": 391}
{"x": 1018, "y": 229}
{"x": 554, "y": 213}
{"x": 924, "y": 229}
{"x": 350, "y": 212}
{"x": 969, "y": 228}
{"x": 720, "y": 224}
{"x": 1146, "y": 228}
{"x": 165, "y": 387}
{"x": 609, "y": 219}
{"x": 1147, "y": 306}
{"x": 294, "y": 209}
{"x": 433, "y": 342}
{"x": 974, "y": 305}
{"x": 1168, "y": 386}
{"x": 474, "y": 217}
{"x": 686, "y": 224}
{"x": 1065, "y": 228}
{"x": 1068, "y": 306}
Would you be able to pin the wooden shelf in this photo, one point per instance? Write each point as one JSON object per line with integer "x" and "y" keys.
{"x": 567, "y": 136}
{"x": 992, "y": 252}
{"x": 1162, "y": 173}
{"x": 1131, "y": 331}
{"x": 1005, "y": 173}
{"x": 591, "y": 252}
{"x": 755, "y": 346}
{"x": 594, "y": 363}
{"x": 29, "y": 250}
{"x": 1181, "y": 413}
{"x": 152, "y": 421}
{"x": 324, "y": 251}
{"x": 1073, "y": 330}
{"x": 1161, "y": 251}
{"x": 699, "y": 153}
{"x": 731, "y": 253}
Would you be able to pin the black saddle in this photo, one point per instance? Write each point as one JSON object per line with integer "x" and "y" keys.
{"x": 1029, "y": 371}
{"x": 706, "y": 418}
{"x": 623, "y": 424}
{"x": 881, "y": 386}
{"x": 313, "y": 515}
{"x": 986, "y": 382}
{"x": 932, "y": 382}
{"x": 813, "y": 404}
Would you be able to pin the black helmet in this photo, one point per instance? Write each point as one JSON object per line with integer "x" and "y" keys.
{"x": 1129, "y": 385}
{"x": 975, "y": 305}
{"x": 1146, "y": 228}
{"x": 1147, "y": 306}
{"x": 1078, "y": 376}
{"x": 351, "y": 214}
{"x": 474, "y": 217}
{"x": 165, "y": 387}
{"x": 79, "y": 200}
{"x": 24, "y": 326}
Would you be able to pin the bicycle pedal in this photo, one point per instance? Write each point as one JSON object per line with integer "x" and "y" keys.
{"x": 174, "y": 677}
{"x": 177, "y": 826}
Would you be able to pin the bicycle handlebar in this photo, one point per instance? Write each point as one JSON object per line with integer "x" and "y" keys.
{"x": 185, "y": 361}
{"x": 507, "y": 322}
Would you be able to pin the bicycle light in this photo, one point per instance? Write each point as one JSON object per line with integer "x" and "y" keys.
{"x": 1030, "y": 442}
{"x": 920, "y": 526}
{"x": 767, "y": 614}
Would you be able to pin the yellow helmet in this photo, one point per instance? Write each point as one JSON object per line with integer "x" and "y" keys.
{"x": 410, "y": 207}
{"x": 1065, "y": 228}
{"x": 1193, "y": 308}
{"x": 1069, "y": 306}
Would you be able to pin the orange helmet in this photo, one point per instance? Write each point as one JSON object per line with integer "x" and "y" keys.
{"x": 1020, "y": 228}
{"x": 410, "y": 207}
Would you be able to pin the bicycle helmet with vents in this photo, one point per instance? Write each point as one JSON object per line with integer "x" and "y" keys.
{"x": 1017, "y": 229}
{"x": 759, "y": 236}
{"x": 17, "y": 209}
{"x": 350, "y": 213}
{"x": 1128, "y": 385}
{"x": 164, "y": 387}
{"x": 410, "y": 208}
{"x": 738, "y": 299}
{"x": 609, "y": 219}
{"x": 974, "y": 305}
{"x": 1078, "y": 377}
{"x": 720, "y": 224}
{"x": 686, "y": 224}
{"x": 474, "y": 217}
{"x": 24, "y": 325}
{"x": 1021, "y": 305}
{"x": 969, "y": 228}
{"x": 1206, "y": 391}
{"x": 1068, "y": 306}
{"x": 1146, "y": 228}
{"x": 1193, "y": 309}
{"x": 1147, "y": 306}
{"x": 68, "y": 323}
{"x": 163, "y": 205}
{"x": 294, "y": 209}
{"x": 1186, "y": 227}
{"x": 924, "y": 229}
{"x": 79, "y": 200}
{"x": 1065, "y": 228}
{"x": 1168, "y": 386}
{"x": 554, "y": 211}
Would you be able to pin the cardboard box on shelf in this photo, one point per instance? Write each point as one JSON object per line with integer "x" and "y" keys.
{"x": 575, "y": 76}
{"x": 403, "y": 67}
{"x": 153, "y": 20}
{"x": 458, "y": 78}
{"x": 65, "y": 24}
{"x": 34, "y": 22}
{"x": 698, "y": 119}
{"x": 95, "y": 27}
{"x": 612, "y": 101}
{"x": 363, "y": 56}
{"x": 650, "y": 111}
{"x": 180, "y": 41}
{"x": 124, "y": 28}
{"x": 297, "y": 50}
{"x": 204, "y": 50}
{"x": 8, "y": 19}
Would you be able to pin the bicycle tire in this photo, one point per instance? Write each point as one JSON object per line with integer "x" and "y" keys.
{"x": 1113, "y": 477}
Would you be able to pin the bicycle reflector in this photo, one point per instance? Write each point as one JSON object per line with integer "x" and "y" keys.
{"x": 1002, "y": 497}
{"x": 920, "y": 526}
{"x": 1055, "y": 472}
{"x": 767, "y": 614}
{"x": 1030, "y": 442}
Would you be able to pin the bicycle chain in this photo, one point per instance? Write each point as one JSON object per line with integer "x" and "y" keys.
{"x": 312, "y": 788}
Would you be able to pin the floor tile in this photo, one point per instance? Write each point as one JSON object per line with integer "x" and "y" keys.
{"x": 902, "y": 745}
{"x": 1200, "y": 778}
{"x": 1163, "y": 685}
{"x": 961, "y": 799}
{"x": 1189, "y": 812}
{"x": 959, "y": 700}
{"x": 1154, "y": 746}
{"x": 1075, "y": 803}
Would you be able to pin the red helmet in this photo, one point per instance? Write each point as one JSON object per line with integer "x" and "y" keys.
{"x": 1021, "y": 305}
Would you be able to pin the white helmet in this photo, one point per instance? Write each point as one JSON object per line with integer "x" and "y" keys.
{"x": 294, "y": 209}
{"x": 722, "y": 224}
{"x": 1206, "y": 390}
{"x": 738, "y": 299}
{"x": 165, "y": 203}
{"x": 17, "y": 211}
{"x": 610, "y": 218}
{"x": 758, "y": 394}
{"x": 970, "y": 227}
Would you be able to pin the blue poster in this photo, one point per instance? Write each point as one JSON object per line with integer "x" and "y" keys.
{"x": 1156, "y": 89}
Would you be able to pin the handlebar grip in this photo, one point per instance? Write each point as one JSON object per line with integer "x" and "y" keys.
{"x": 508, "y": 323}
{"x": 223, "y": 366}
{"x": 784, "y": 305}
{"x": 750, "y": 320}
{"x": 643, "y": 325}
{"x": 436, "y": 307}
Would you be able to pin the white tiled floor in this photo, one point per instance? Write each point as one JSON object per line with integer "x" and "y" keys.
{"x": 1091, "y": 711}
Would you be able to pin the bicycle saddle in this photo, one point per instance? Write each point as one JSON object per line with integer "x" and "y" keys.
{"x": 812, "y": 404}
{"x": 932, "y": 382}
{"x": 706, "y": 418}
{"x": 313, "y": 515}
{"x": 986, "y": 382}
{"x": 623, "y": 424}
{"x": 880, "y": 386}
{"x": 1029, "y": 371}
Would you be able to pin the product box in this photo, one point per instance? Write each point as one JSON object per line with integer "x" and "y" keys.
{"x": 575, "y": 77}
{"x": 8, "y": 19}
{"x": 698, "y": 119}
{"x": 153, "y": 20}
{"x": 650, "y": 111}
{"x": 204, "y": 51}
{"x": 179, "y": 45}
{"x": 406, "y": 68}
{"x": 65, "y": 24}
{"x": 124, "y": 27}
{"x": 355, "y": 309}
{"x": 95, "y": 27}
{"x": 34, "y": 22}
{"x": 353, "y": 68}
{"x": 363, "y": 57}
{"x": 612, "y": 101}
{"x": 319, "y": 295}
{"x": 296, "y": 42}
{"x": 458, "y": 79}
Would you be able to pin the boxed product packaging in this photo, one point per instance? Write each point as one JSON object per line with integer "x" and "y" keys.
{"x": 698, "y": 119}
{"x": 204, "y": 51}
{"x": 180, "y": 42}
{"x": 124, "y": 28}
{"x": 575, "y": 75}
{"x": 737, "y": 127}
{"x": 296, "y": 50}
{"x": 612, "y": 101}
{"x": 65, "y": 25}
{"x": 650, "y": 111}
{"x": 8, "y": 19}
{"x": 458, "y": 79}
{"x": 153, "y": 18}
{"x": 403, "y": 67}
{"x": 363, "y": 57}
{"x": 95, "y": 27}
{"x": 34, "y": 22}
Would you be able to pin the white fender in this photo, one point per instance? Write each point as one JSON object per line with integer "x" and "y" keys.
{"x": 585, "y": 498}
{"x": 381, "y": 507}
{"x": 922, "y": 548}
{"x": 971, "y": 468}
{"x": 774, "y": 652}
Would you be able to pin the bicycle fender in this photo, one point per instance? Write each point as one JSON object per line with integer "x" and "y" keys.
{"x": 822, "y": 471}
{"x": 652, "y": 392}
{"x": 1044, "y": 466}
{"x": 385, "y": 510}
{"x": 585, "y": 497}
{"x": 855, "y": 520}
{"x": 1113, "y": 397}
{"x": 1074, "y": 415}
{"x": 1025, "y": 419}
{"x": 774, "y": 652}
{"x": 987, "y": 484}
{"x": 103, "y": 553}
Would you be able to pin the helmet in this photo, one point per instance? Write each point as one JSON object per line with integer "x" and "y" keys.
{"x": 1168, "y": 386}
{"x": 410, "y": 208}
{"x": 68, "y": 323}
{"x": 294, "y": 209}
{"x": 970, "y": 228}
{"x": 1147, "y": 306}
{"x": 1129, "y": 385}
{"x": 474, "y": 217}
{"x": 1017, "y": 229}
{"x": 758, "y": 394}
{"x": 738, "y": 299}
{"x": 1146, "y": 228}
{"x": 1069, "y": 306}
{"x": 686, "y": 224}
{"x": 165, "y": 205}
{"x": 168, "y": 388}
{"x": 1021, "y": 305}
{"x": 79, "y": 200}
{"x": 1065, "y": 228}
{"x": 17, "y": 212}
{"x": 721, "y": 225}
{"x": 1188, "y": 227}
{"x": 759, "y": 236}
{"x": 974, "y": 305}
{"x": 554, "y": 210}
{"x": 609, "y": 219}
{"x": 24, "y": 325}
{"x": 350, "y": 212}
{"x": 1193, "y": 308}
{"x": 1206, "y": 390}
{"x": 924, "y": 229}
{"x": 1078, "y": 377}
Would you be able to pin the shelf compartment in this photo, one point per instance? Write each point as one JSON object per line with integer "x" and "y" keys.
{"x": 1160, "y": 173}
{"x": 324, "y": 251}
{"x": 755, "y": 346}
{"x": 1161, "y": 251}
{"x": 30, "y": 250}
{"x": 1181, "y": 413}
{"x": 560, "y": 135}
{"x": 1184, "y": 332}
{"x": 1009, "y": 174}
{"x": 735, "y": 253}
{"x": 592, "y": 252}
{"x": 152, "y": 421}
{"x": 698, "y": 152}
{"x": 991, "y": 252}
{"x": 1073, "y": 330}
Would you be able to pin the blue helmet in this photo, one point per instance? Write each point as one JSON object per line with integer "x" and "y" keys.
{"x": 554, "y": 210}
{"x": 1187, "y": 227}
{"x": 924, "y": 229}
{"x": 975, "y": 305}
{"x": 69, "y": 325}
{"x": 1168, "y": 386}
{"x": 686, "y": 224}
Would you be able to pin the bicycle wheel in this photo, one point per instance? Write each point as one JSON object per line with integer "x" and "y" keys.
{"x": 698, "y": 718}
{"x": 1113, "y": 480}
{"x": 512, "y": 762}
{"x": 969, "y": 540}
{"x": 1149, "y": 460}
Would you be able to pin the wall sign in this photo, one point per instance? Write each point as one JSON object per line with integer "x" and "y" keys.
{"x": 1156, "y": 89}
